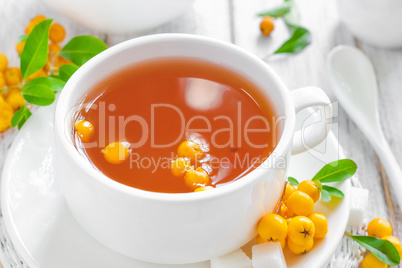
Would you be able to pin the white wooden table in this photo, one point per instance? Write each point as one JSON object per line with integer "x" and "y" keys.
{"x": 236, "y": 21}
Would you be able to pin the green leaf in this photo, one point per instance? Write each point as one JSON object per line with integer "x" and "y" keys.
{"x": 39, "y": 94}
{"x": 292, "y": 18}
{"x": 276, "y": 12}
{"x": 299, "y": 40}
{"x": 22, "y": 38}
{"x": 319, "y": 185}
{"x": 336, "y": 171}
{"x": 54, "y": 83}
{"x": 66, "y": 71}
{"x": 325, "y": 196}
{"x": 384, "y": 250}
{"x": 34, "y": 55}
{"x": 20, "y": 117}
{"x": 293, "y": 181}
{"x": 82, "y": 48}
{"x": 333, "y": 191}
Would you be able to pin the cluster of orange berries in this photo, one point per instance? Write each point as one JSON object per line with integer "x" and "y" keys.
{"x": 10, "y": 98}
{"x": 57, "y": 34}
{"x": 196, "y": 179}
{"x": 297, "y": 225}
{"x": 114, "y": 153}
{"x": 380, "y": 228}
{"x": 10, "y": 77}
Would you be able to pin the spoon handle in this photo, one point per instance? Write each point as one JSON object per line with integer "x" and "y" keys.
{"x": 392, "y": 169}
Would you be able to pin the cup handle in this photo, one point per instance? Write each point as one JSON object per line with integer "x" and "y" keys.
{"x": 315, "y": 133}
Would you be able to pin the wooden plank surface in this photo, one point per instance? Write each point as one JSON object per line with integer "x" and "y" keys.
{"x": 236, "y": 21}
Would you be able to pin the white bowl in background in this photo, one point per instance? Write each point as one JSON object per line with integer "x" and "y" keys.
{"x": 120, "y": 16}
{"x": 377, "y": 22}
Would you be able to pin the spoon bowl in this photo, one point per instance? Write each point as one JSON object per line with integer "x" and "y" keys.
{"x": 354, "y": 83}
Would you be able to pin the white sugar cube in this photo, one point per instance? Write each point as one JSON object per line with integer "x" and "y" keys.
{"x": 358, "y": 206}
{"x": 235, "y": 259}
{"x": 268, "y": 254}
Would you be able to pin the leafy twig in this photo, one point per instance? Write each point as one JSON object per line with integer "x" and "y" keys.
{"x": 41, "y": 91}
{"x": 299, "y": 40}
{"x": 300, "y": 37}
{"x": 384, "y": 250}
{"x": 335, "y": 171}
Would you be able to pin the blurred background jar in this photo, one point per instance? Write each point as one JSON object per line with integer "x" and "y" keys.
{"x": 377, "y": 22}
{"x": 120, "y": 16}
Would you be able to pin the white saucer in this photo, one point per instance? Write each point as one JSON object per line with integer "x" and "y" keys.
{"x": 46, "y": 235}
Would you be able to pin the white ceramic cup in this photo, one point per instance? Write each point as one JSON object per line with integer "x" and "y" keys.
{"x": 190, "y": 227}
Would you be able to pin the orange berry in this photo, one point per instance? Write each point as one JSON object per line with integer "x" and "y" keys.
{"x": 320, "y": 224}
{"x": 290, "y": 189}
{"x": 261, "y": 240}
{"x": 195, "y": 178}
{"x": 379, "y": 228}
{"x": 267, "y": 26}
{"x": 300, "y": 249}
{"x": 116, "y": 152}
{"x": 85, "y": 130}
{"x": 59, "y": 61}
{"x": 310, "y": 188}
{"x": 301, "y": 230}
{"x": 190, "y": 149}
{"x": 300, "y": 203}
{"x": 33, "y": 23}
{"x": 16, "y": 100}
{"x": 272, "y": 227}
{"x": 2, "y": 80}
{"x": 180, "y": 166}
{"x": 6, "y": 114}
{"x": 202, "y": 189}
{"x": 20, "y": 47}
{"x": 54, "y": 49}
{"x": 283, "y": 243}
{"x": 39, "y": 73}
{"x": 13, "y": 76}
{"x": 3, "y": 62}
{"x": 285, "y": 211}
{"x": 395, "y": 241}
{"x": 57, "y": 33}
{"x": 11, "y": 90}
{"x": 371, "y": 261}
